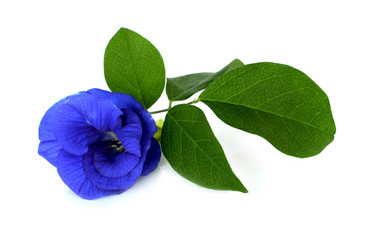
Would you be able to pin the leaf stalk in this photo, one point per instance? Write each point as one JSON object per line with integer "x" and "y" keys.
{"x": 170, "y": 106}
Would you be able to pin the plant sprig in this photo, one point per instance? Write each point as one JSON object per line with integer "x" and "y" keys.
{"x": 275, "y": 101}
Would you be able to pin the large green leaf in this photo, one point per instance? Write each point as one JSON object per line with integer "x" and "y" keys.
{"x": 191, "y": 148}
{"x": 132, "y": 65}
{"x": 277, "y": 102}
{"x": 181, "y": 88}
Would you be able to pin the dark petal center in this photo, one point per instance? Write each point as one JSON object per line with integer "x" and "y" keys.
{"x": 111, "y": 143}
{"x": 114, "y": 146}
{"x": 111, "y": 160}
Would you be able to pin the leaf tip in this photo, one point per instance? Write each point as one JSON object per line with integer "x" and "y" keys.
{"x": 242, "y": 189}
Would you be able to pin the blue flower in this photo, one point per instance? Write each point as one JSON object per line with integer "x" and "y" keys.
{"x": 100, "y": 142}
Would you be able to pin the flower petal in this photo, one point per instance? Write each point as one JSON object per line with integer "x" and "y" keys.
{"x": 149, "y": 126}
{"x": 82, "y": 120}
{"x": 104, "y": 182}
{"x": 49, "y": 147}
{"x": 113, "y": 183}
{"x": 100, "y": 93}
{"x": 122, "y": 100}
{"x": 114, "y": 165}
{"x": 45, "y": 130}
{"x": 152, "y": 159}
{"x": 70, "y": 169}
{"x": 49, "y": 150}
{"x": 130, "y": 135}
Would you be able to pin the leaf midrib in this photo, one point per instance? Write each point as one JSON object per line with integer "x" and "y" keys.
{"x": 260, "y": 110}
{"x": 133, "y": 67}
{"x": 198, "y": 146}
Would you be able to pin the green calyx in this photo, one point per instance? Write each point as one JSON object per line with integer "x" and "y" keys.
{"x": 158, "y": 134}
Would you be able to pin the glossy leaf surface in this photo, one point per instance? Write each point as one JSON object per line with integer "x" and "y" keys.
{"x": 183, "y": 87}
{"x": 193, "y": 151}
{"x": 277, "y": 102}
{"x": 132, "y": 65}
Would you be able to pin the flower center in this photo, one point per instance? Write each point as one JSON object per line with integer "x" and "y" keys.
{"x": 115, "y": 147}
{"x": 114, "y": 144}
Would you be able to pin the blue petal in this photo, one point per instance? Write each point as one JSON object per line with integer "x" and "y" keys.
{"x": 70, "y": 169}
{"x": 105, "y": 182}
{"x": 152, "y": 159}
{"x": 113, "y": 183}
{"x": 82, "y": 121}
{"x": 46, "y": 131}
{"x": 100, "y": 93}
{"x": 49, "y": 150}
{"x": 114, "y": 165}
{"x": 130, "y": 135}
{"x": 149, "y": 126}
{"x": 122, "y": 100}
{"x": 49, "y": 147}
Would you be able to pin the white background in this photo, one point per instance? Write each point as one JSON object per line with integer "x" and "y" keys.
{"x": 50, "y": 49}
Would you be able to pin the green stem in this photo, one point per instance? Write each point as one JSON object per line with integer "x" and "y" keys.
{"x": 159, "y": 111}
{"x": 170, "y": 106}
{"x": 194, "y": 101}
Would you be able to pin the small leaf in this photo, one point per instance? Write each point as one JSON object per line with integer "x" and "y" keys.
{"x": 132, "y": 65}
{"x": 181, "y": 88}
{"x": 191, "y": 148}
{"x": 277, "y": 102}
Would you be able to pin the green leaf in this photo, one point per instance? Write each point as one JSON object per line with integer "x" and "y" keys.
{"x": 277, "y": 102}
{"x": 132, "y": 65}
{"x": 181, "y": 88}
{"x": 191, "y": 148}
